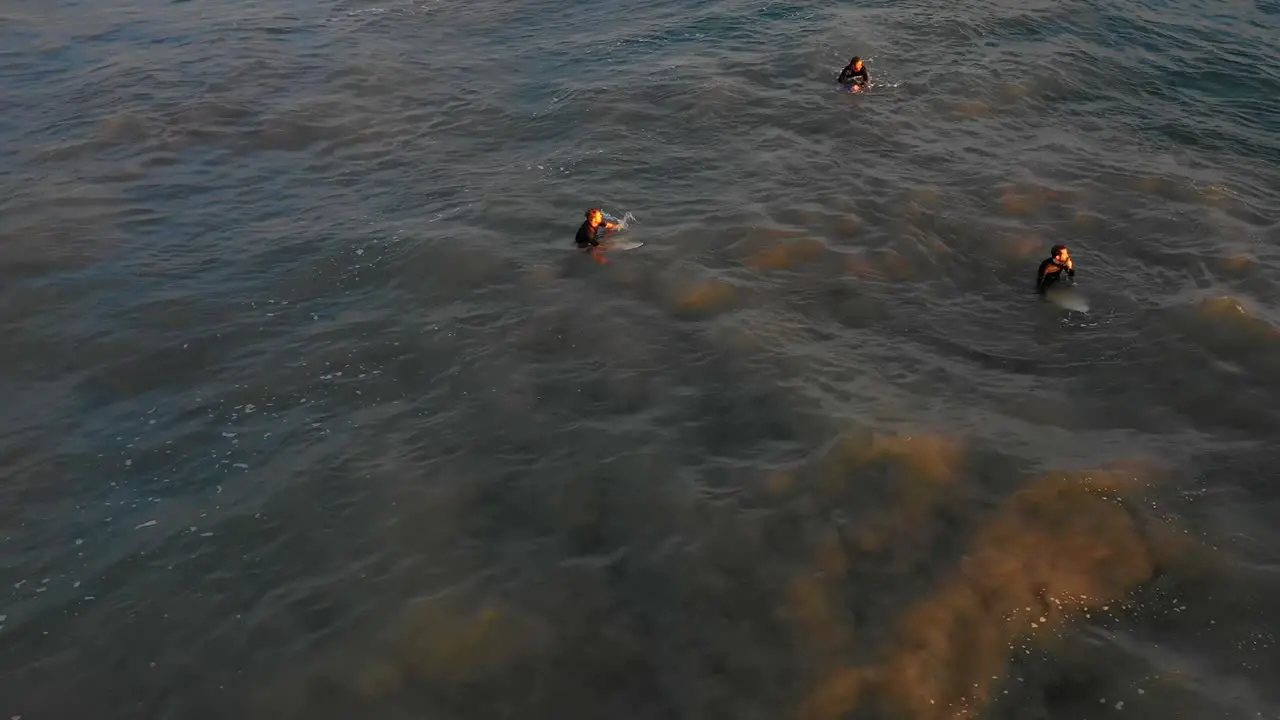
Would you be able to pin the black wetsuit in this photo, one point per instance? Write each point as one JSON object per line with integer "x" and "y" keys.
{"x": 587, "y": 235}
{"x": 1050, "y": 273}
{"x": 857, "y": 77}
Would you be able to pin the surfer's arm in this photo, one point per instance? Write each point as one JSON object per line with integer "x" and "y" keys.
{"x": 1047, "y": 269}
{"x": 1053, "y": 268}
{"x": 859, "y": 77}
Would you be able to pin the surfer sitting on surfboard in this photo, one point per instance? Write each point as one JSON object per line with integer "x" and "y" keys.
{"x": 588, "y": 234}
{"x": 856, "y": 73}
{"x": 1058, "y": 262}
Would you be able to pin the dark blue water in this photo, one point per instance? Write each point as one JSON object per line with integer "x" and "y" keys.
{"x": 310, "y": 409}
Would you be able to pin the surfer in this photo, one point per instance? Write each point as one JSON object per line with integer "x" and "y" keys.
{"x": 1058, "y": 262}
{"x": 855, "y": 73}
{"x": 588, "y": 234}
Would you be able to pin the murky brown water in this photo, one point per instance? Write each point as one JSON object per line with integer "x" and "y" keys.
{"x": 311, "y": 411}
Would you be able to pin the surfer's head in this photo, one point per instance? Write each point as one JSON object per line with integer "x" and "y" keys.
{"x": 856, "y": 63}
{"x": 595, "y": 216}
{"x": 1059, "y": 253}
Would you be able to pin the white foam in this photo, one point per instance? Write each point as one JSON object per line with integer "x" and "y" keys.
{"x": 623, "y": 223}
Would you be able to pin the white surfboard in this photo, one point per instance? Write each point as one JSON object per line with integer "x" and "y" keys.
{"x": 621, "y": 244}
{"x": 1068, "y": 297}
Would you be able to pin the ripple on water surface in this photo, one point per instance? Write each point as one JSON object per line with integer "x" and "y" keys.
{"x": 311, "y": 410}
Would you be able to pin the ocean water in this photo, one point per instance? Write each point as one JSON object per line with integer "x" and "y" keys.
{"x": 310, "y": 409}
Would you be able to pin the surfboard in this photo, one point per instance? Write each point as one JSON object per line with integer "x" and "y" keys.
{"x": 621, "y": 244}
{"x": 1068, "y": 297}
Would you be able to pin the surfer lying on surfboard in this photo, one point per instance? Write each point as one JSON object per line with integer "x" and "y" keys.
{"x": 855, "y": 75}
{"x": 1058, "y": 262}
{"x": 588, "y": 234}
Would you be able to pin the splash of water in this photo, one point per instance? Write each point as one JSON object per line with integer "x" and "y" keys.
{"x": 623, "y": 223}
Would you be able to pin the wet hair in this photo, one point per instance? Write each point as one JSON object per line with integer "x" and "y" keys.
{"x": 592, "y": 211}
{"x": 854, "y": 60}
{"x": 1056, "y": 250}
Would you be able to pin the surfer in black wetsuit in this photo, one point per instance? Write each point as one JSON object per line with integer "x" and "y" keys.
{"x": 855, "y": 73}
{"x": 1058, "y": 262}
{"x": 588, "y": 234}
